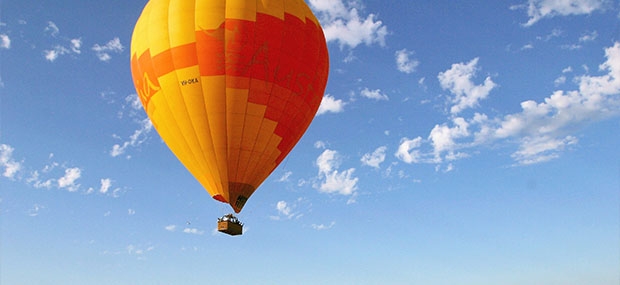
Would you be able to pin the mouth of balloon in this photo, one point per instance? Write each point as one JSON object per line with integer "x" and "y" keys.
{"x": 239, "y": 195}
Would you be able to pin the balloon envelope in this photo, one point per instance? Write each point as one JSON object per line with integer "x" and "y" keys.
{"x": 229, "y": 85}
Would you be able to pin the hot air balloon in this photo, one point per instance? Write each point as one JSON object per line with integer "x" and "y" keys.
{"x": 230, "y": 85}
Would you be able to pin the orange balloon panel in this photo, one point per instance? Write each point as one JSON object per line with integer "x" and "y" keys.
{"x": 230, "y": 85}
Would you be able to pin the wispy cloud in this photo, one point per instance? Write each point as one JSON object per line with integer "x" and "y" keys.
{"x": 375, "y": 158}
{"x": 285, "y": 177}
{"x": 170, "y": 228}
{"x": 103, "y": 51}
{"x": 65, "y": 47}
{"x": 139, "y": 250}
{"x": 7, "y": 163}
{"x": 588, "y": 37}
{"x": 53, "y": 54}
{"x": 35, "y": 210}
{"x": 51, "y": 29}
{"x": 193, "y": 231}
{"x": 75, "y": 45}
{"x": 540, "y": 9}
{"x": 140, "y": 135}
{"x": 374, "y": 94}
{"x": 343, "y": 24}
{"x": 53, "y": 175}
{"x": 286, "y": 211}
{"x": 322, "y": 227}
{"x": 542, "y": 129}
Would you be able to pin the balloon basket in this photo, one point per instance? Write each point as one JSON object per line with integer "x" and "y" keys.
{"x": 230, "y": 225}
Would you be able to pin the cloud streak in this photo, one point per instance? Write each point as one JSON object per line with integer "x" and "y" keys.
{"x": 541, "y": 9}
{"x": 140, "y": 135}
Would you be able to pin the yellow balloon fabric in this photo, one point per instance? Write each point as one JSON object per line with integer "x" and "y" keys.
{"x": 230, "y": 85}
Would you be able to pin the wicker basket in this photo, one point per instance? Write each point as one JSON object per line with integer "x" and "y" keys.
{"x": 230, "y": 228}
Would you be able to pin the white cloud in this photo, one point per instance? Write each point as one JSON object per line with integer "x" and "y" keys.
{"x": 134, "y": 101}
{"x": 330, "y": 104}
{"x": 103, "y": 51}
{"x": 285, "y": 177}
{"x": 34, "y": 211}
{"x": 527, "y": 46}
{"x": 332, "y": 180}
{"x": 443, "y": 137}
{"x": 5, "y": 41}
{"x": 327, "y": 161}
{"x": 588, "y": 37}
{"x": 193, "y": 231}
{"x": 53, "y": 54}
{"x": 544, "y": 129}
{"x": 320, "y": 144}
{"x": 105, "y": 185}
{"x": 38, "y": 183}
{"x": 138, "y": 250}
{"x": 53, "y": 175}
{"x": 342, "y": 183}
{"x": 72, "y": 47}
{"x": 11, "y": 167}
{"x": 408, "y": 150}
{"x": 68, "y": 180}
{"x": 284, "y": 210}
{"x": 539, "y": 9}
{"x": 540, "y": 149}
{"x": 374, "y": 94}
{"x": 131, "y": 212}
{"x": 287, "y": 210}
{"x": 342, "y": 23}
{"x": 170, "y": 228}
{"x": 375, "y": 158}
{"x": 404, "y": 63}
{"x": 76, "y": 44}
{"x": 322, "y": 227}
{"x": 458, "y": 79}
{"x": 52, "y": 29}
{"x": 136, "y": 139}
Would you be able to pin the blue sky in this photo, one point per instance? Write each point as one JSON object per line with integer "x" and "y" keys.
{"x": 458, "y": 142}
